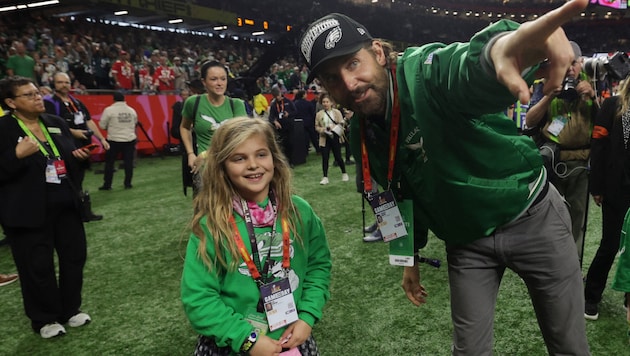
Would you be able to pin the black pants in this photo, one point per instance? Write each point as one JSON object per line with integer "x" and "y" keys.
{"x": 286, "y": 141}
{"x": 612, "y": 222}
{"x": 47, "y": 300}
{"x": 332, "y": 143}
{"x": 128, "y": 149}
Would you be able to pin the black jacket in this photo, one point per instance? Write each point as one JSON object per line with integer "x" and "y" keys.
{"x": 610, "y": 160}
{"x": 23, "y": 187}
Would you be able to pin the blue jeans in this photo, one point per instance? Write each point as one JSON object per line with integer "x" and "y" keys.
{"x": 539, "y": 247}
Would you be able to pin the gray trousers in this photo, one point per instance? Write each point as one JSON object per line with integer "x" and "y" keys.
{"x": 539, "y": 247}
{"x": 574, "y": 189}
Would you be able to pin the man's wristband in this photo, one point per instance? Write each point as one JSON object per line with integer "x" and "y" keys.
{"x": 249, "y": 342}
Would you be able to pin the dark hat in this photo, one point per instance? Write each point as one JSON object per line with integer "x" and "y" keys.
{"x": 576, "y": 50}
{"x": 118, "y": 96}
{"x": 333, "y": 35}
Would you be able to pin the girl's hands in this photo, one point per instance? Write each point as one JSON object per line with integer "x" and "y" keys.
{"x": 295, "y": 334}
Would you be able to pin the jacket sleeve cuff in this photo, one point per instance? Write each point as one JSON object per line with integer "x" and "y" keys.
{"x": 307, "y": 318}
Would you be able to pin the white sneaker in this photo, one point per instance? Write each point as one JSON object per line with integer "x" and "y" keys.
{"x": 79, "y": 320}
{"x": 344, "y": 177}
{"x": 324, "y": 181}
{"x": 51, "y": 330}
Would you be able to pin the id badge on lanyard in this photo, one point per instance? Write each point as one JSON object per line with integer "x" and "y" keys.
{"x": 55, "y": 171}
{"x": 79, "y": 118}
{"x": 388, "y": 217}
{"x": 279, "y": 304}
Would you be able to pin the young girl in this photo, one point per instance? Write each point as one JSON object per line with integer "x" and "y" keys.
{"x": 257, "y": 265}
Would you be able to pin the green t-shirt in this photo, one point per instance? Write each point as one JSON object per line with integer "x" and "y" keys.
{"x": 209, "y": 117}
{"x": 24, "y": 66}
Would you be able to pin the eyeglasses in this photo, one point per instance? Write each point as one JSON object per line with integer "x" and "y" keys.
{"x": 31, "y": 96}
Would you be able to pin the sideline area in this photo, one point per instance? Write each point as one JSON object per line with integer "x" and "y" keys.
{"x": 134, "y": 266}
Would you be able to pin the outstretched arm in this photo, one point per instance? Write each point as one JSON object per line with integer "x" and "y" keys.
{"x": 533, "y": 42}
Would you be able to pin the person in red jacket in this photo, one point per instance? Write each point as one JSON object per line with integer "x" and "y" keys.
{"x": 123, "y": 72}
{"x": 164, "y": 76}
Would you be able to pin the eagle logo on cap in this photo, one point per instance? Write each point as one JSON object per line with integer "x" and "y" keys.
{"x": 333, "y": 37}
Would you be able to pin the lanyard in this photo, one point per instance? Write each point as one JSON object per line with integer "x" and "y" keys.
{"x": 254, "y": 266}
{"x": 70, "y": 103}
{"x": 393, "y": 141}
{"x": 278, "y": 106}
{"x": 46, "y": 134}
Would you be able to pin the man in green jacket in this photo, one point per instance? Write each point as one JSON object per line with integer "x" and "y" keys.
{"x": 472, "y": 179}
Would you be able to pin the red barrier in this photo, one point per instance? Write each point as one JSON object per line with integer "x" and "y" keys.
{"x": 154, "y": 112}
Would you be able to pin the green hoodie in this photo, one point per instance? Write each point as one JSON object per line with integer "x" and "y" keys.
{"x": 459, "y": 158}
{"x": 217, "y": 302}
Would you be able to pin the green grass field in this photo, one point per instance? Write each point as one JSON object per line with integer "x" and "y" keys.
{"x": 135, "y": 260}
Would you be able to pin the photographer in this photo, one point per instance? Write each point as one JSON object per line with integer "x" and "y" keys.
{"x": 565, "y": 120}
{"x": 78, "y": 118}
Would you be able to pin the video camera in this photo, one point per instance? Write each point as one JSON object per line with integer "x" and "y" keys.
{"x": 615, "y": 67}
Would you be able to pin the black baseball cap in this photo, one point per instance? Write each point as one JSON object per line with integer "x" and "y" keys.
{"x": 333, "y": 35}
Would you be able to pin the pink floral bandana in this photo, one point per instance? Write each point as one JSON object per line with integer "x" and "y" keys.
{"x": 261, "y": 216}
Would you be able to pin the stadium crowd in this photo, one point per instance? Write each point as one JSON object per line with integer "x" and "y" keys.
{"x": 87, "y": 50}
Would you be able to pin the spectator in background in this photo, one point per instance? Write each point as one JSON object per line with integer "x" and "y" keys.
{"x": 282, "y": 113}
{"x": 329, "y": 125}
{"x": 181, "y": 76}
{"x": 295, "y": 81}
{"x": 100, "y": 64}
{"x": 204, "y": 113}
{"x": 610, "y": 188}
{"x": 164, "y": 76}
{"x": 145, "y": 78}
{"x": 39, "y": 209}
{"x": 21, "y": 63}
{"x": 123, "y": 72}
{"x": 78, "y": 119}
{"x": 306, "y": 112}
{"x": 177, "y": 113}
{"x": 120, "y": 120}
{"x": 260, "y": 103}
{"x": 280, "y": 86}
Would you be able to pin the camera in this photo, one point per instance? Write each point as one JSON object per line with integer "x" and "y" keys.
{"x": 569, "y": 93}
{"x": 89, "y": 133}
{"x": 616, "y": 66}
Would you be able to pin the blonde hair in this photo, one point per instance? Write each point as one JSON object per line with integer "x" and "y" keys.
{"x": 624, "y": 97}
{"x": 214, "y": 201}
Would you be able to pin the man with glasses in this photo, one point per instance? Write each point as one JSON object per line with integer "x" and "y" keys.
{"x": 565, "y": 118}
{"x": 78, "y": 118}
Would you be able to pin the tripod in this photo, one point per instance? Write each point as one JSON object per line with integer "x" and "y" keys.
{"x": 157, "y": 152}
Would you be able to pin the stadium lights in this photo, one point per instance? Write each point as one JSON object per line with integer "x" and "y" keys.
{"x": 43, "y": 3}
{"x": 120, "y": 13}
{"x": 259, "y": 33}
{"x": 219, "y": 28}
{"x": 174, "y": 21}
{"x": 24, "y": 6}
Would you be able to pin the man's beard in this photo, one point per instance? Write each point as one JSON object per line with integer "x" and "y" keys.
{"x": 374, "y": 105}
